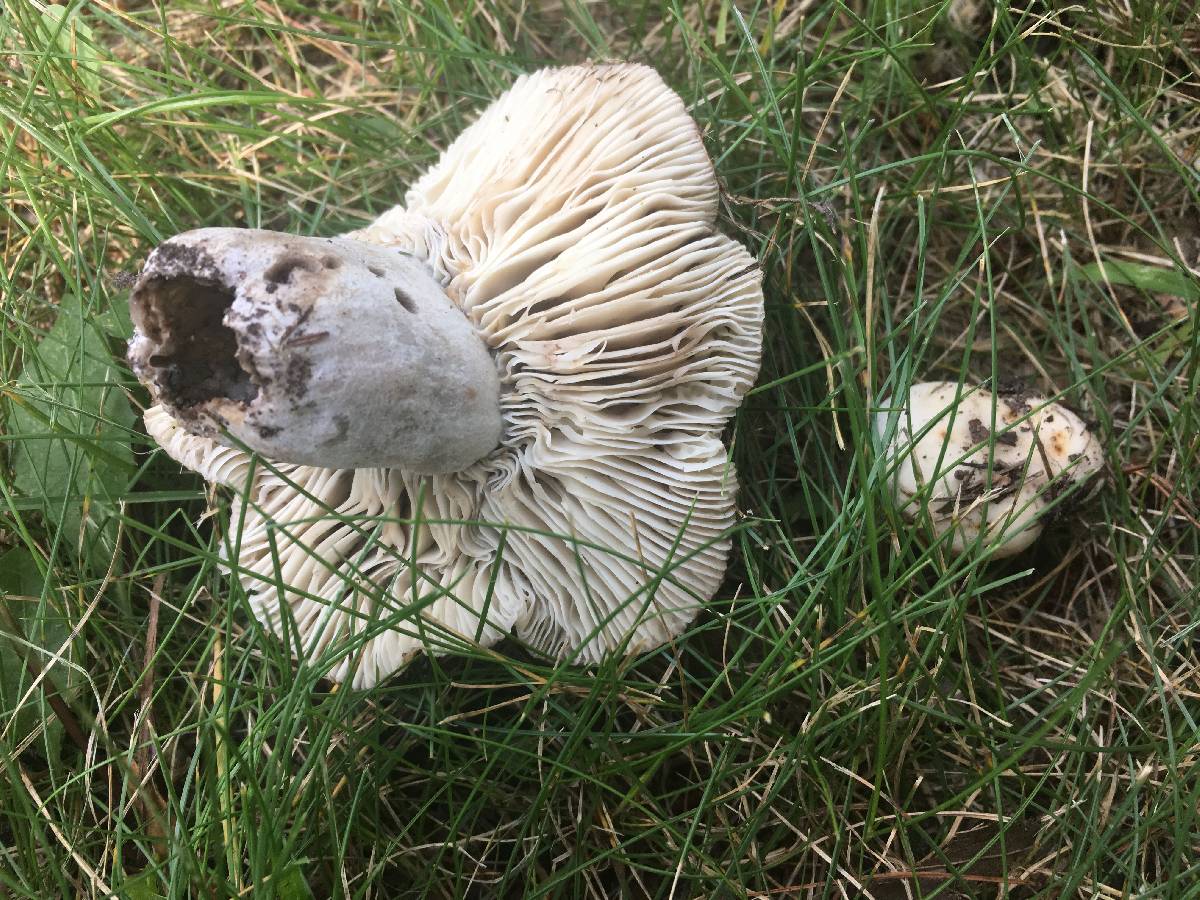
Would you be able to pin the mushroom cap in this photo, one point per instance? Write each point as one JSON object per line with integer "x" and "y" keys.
{"x": 572, "y": 224}
{"x": 984, "y": 464}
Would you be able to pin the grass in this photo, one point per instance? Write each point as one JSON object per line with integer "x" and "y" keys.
{"x": 944, "y": 190}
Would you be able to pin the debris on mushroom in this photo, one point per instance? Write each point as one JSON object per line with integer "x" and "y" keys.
{"x": 984, "y": 466}
{"x": 498, "y": 408}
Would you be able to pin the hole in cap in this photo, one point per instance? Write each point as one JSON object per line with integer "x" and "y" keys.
{"x": 199, "y": 361}
{"x": 280, "y": 271}
{"x": 405, "y": 301}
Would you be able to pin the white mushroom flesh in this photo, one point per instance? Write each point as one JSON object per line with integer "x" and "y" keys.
{"x": 984, "y": 467}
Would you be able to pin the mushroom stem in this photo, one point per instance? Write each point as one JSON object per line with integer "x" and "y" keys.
{"x": 318, "y": 351}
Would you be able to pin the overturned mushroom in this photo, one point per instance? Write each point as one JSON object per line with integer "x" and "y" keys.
{"x": 985, "y": 467}
{"x": 497, "y": 408}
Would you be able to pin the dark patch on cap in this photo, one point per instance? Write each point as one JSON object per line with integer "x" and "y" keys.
{"x": 181, "y": 258}
{"x": 296, "y": 378}
{"x": 979, "y": 431}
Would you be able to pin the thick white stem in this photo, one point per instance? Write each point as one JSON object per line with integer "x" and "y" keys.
{"x": 319, "y": 351}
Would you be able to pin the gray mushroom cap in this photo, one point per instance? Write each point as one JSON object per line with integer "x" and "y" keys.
{"x": 572, "y": 226}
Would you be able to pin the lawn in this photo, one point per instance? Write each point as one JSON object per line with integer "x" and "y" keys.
{"x": 955, "y": 190}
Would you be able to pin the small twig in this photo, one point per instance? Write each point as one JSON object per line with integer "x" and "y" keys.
{"x": 149, "y": 801}
{"x": 303, "y": 340}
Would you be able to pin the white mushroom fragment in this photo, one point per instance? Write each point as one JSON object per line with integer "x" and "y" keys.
{"x": 516, "y": 426}
{"x": 984, "y": 466}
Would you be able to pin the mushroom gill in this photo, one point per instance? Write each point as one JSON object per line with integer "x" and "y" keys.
{"x": 570, "y": 230}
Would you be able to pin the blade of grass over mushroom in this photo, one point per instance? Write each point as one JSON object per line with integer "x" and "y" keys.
{"x": 810, "y": 731}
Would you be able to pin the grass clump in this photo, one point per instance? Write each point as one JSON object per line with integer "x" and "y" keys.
{"x": 956, "y": 190}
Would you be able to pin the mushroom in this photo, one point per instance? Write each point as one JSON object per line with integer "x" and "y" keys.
{"x": 983, "y": 466}
{"x": 497, "y": 408}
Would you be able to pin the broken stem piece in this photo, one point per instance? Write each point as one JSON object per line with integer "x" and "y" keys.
{"x": 318, "y": 351}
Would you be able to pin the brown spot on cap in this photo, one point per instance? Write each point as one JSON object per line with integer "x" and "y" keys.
{"x": 979, "y": 431}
